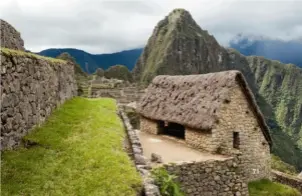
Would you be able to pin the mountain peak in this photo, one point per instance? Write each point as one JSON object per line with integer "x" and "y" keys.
{"x": 177, "y": 46}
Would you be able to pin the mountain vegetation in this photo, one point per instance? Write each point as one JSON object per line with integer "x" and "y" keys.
{"x": 178, "y": 46}
{"x": 90, "y": 62}
{"x": 120, "y": 72}
{"x": 67, "y": 57}
{"x": 99, "y": 72}
{"x": 268, "y": 188}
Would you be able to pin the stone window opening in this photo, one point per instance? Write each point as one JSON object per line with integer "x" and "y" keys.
{"x": 171, "y": 129}
{"x": 236, "y": 140}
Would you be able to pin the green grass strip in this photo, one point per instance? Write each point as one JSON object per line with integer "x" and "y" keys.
{"x": 79, "y": 152}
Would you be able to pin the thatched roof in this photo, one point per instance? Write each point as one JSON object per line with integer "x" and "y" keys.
{"x": 195, "y": 100}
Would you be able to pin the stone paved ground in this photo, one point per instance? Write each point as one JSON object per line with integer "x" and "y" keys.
{"x": 172, "y": 150}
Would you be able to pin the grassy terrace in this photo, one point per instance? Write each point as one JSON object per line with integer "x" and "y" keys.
{"x": 268, "y": 188}
{"x": 79, "y": 151}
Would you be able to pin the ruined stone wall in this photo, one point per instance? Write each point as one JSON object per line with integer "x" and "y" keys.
{"x": 121, "y": 94}
{"x": 213, "y": 177}
{"x": 238, "y": 116}
{"x": 31, "y": 87}
{"x": 148, "y": 125}
{"x": 287, "y": 179}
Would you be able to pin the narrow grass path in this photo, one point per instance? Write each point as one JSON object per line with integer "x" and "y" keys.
{"x": 79, "y": 152}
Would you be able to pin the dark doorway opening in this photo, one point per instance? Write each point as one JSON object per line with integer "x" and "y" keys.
{"x": 171, "y": 129}
{"x": 236, "y": 140}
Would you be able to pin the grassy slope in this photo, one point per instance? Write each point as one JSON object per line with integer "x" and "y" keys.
{"x": 79, "y": 152}
{"x": 268, "y": 188}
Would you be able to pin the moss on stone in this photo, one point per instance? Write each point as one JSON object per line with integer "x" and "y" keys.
{"x": 12, "y": 53}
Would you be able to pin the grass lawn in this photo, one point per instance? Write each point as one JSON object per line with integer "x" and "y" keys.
{"x": 79, "y": 152}
{"x": 267, "y": 188}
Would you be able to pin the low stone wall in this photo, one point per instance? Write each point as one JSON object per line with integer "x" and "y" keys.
{"x": 31, "y": 87}
{"x": 121, "y": 94}
{"x": 150, "y": 189}
{"x": 287, "y": 179}
{"x": 213, "y": 177}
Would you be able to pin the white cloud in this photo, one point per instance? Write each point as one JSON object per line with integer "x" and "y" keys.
{"x": 99, "y": 26}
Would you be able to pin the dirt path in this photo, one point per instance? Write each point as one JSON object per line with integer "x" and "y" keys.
{"x": 171, "y": 150}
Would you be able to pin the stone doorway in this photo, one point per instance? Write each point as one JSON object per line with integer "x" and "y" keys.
{"x": 171, "y": 129}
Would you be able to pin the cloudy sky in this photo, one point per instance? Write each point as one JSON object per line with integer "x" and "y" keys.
{"x": 104, "y": 26}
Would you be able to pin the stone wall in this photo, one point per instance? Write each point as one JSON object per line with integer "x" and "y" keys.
{"x": 10, "y": 37}
{"x": 199, "y": 139}
{"x": 287, "y": 179}
{"x": 148, "y": 125}
{"x": 31, "y": 87}
{"x": 141, "y": 163}
{"x": 123, "y": 95}
{"x": 213, "y": 177}
{"x": 238, "y": 116}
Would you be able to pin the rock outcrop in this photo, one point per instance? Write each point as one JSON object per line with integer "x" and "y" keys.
{"x": 178, "y": 46}
{"x": 10, "y": 37}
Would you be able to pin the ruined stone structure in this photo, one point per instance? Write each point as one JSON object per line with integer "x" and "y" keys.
{"x": 214, "y": 112}
{"x": 213, "y": 177}
{"x": 31, "y": 87}
{"x": 289, "y": 180}
{"x": 123, "y": 93}
{"x": 10, "y": 37}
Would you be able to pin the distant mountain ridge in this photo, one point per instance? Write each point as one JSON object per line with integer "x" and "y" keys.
{"x": 283, "y": 51}
{"x": 94, "y": 61}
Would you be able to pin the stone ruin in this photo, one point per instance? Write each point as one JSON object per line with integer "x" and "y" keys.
{"x": 10, "y": 37}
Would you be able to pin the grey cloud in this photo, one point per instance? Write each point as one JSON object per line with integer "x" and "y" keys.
{"x": 99, "y": 26}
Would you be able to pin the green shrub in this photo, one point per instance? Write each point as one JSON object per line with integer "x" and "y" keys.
{"x": 99, "y": 72}
{"x": 266, "y": 187}
{"x": 167, "y": 184}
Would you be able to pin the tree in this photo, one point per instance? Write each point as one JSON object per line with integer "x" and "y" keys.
{"x": 120, "y": 72}
{"x": 100, "y": 72}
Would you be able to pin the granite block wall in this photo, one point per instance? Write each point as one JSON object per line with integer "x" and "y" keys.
{"x": 31, "y": 87}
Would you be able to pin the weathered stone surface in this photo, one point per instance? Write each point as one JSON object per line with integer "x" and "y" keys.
{"x": 10, "y": 38}
{"x": 30, "y": 93}
{"x": 287, "y": 179}
{"x": 209, "y": 178}
{"x": 156, "y": 158}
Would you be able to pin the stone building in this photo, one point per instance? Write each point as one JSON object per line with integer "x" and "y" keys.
{"x": 213, "y": 112}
